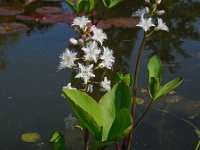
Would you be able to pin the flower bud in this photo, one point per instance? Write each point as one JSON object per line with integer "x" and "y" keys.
{"x": 146, "y": 10}
{"x": 73, "y": 41}
{"x": 160, "y": 12}
{"x": 158, "y": 2}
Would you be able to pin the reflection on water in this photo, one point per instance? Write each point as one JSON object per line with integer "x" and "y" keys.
{"x": 30, "y": 84}
{"x": 181, "y": 20}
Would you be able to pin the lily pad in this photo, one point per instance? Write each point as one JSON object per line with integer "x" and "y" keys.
{"x": 8, "y": 28}
{"x": 174, "y": 99}
{"x": 52, "y": 0}
{"x": 139, "y": 101}
{"x": 31, "y": 17}
{"x": 120, "y": 22}
{"x": 10, "y": 11}
{"x": 30, "y": 137}
{"x": 29, "y": 2}
{"x": 65, "y": 18}
{"x": 48, "y": 10}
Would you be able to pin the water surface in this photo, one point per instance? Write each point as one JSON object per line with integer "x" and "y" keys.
{"x": 30, "y": 85}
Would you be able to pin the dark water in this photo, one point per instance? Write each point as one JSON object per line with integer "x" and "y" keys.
{"x": 30, "y": 86}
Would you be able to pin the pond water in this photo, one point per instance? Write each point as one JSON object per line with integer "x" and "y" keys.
{"x": 30, "y": 84}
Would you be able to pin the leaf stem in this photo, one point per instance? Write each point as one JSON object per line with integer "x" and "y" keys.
{"x": 133, "y": 109}
{"x": 92, "y": 18}
{"x": 86, "y": 139}
{"x": 198, "y": 145}
{"x": 117, "y": 146}
{"x": 142, "y": 116}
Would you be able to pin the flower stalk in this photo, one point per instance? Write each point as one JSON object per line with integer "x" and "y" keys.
{"x": 86, "y": 139}
{"x": 134, "y": 91}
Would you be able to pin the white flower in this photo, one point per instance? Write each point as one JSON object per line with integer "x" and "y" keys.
{"x": 145, "y": 23}
{"x": 69, "y": 87}
{"x": 98, "y": 35}
{"x": 160, "y": 12}
{"x": 91, "y": 51}
{"x": 158, "y": 2}
{"x": 147, "y": 1}
{"x": 81, "y": 22}
{"x": 107, "y": 58}
{"x": 85, "y": 72}
{"x": 67, "y": 59}
{"x": 90, "y": 88}
{"x": 161, "y": 25}
{"x": 140, "y": 12}
{"x": 70, "y": 121}
{"x": 105, "y": 84}
{"x": 73, "y": 41}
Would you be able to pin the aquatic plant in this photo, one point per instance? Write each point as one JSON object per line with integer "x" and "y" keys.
{"x": 112, "y": 117}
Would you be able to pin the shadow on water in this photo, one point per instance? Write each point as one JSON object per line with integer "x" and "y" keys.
{"x": 177, "y": 50}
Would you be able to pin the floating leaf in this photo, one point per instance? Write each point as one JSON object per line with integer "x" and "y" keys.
{"x": 174, "y": 99}
{"x": 30, "y": 137}
{"x": 10, "y": 11}
{"x": 8, "y": 28}
{"x": 34, "y": 16}
{"x": 66, "y": 18}
{"x": 52, "y": 0}
{"x": 49, "y": 10}
{"x": 28, "y": 2}
{"x": 143, "y": 90}
{"x": 172, "y": 92}
{"x": 120, "y": 22}
{"x": 139, "y": 101}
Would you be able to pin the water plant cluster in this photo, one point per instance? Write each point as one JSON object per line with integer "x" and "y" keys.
{"x": 110, "y": 119}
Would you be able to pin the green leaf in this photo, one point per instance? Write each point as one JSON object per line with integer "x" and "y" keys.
{"x": 30, "y": 137}
{"x": 71, "y": 5}
{"x": 92, "y": 4}
{"x": 113, "y": 3}
{"x": 155, "y": 75}
{"x": 128, "y": 78}
{"x": 155, "y": 68}
{"x": 57, "y": 137}
{"x": 118, "y": 98}
{"x": 86, "y": 110}
{"x": 87, "y": 7}
{"x": 119, "y": 76}
{"x": 153, "y": 86}
{"x": 106, "y": 3}
{"x": 121, "y": 126}
{"x": 122, "y": 97}
{"x": 57, "y": 141}
{"x": 80, "y": 5}
{"x": 171, "y": 85}
{"x": 99, "y": 144}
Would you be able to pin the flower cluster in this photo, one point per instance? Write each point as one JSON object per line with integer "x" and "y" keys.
{"x": 149, "y": 16}
{"x": 92, "y": 55}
